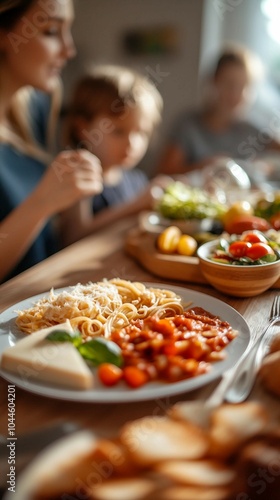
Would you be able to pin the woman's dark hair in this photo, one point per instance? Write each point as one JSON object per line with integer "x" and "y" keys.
{"x": 11, "y": 11}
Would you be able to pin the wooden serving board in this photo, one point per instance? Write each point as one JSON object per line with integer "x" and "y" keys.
{"x": 142, "y": 246}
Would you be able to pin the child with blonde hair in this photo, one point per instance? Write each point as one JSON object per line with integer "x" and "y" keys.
{"x": 113, "y": 113}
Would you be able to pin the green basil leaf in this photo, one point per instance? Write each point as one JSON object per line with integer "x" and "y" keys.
{"x": 63, "y": 336}
{"x": 99, "y": 350}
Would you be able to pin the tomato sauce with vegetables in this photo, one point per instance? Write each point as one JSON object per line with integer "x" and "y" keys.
{"x": 172, "y": 349}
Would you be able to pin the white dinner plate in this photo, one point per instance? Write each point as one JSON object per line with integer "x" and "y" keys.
{"x": 9, "y": 334}
{"x": 153, "y": 222}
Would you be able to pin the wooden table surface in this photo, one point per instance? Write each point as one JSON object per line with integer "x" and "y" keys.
{"x": 94, "y": 258}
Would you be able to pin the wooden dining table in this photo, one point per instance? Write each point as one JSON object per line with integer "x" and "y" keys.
{"x": 99, "y": 256}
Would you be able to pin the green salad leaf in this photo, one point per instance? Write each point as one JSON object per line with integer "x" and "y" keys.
{"x": 180, "y": 201}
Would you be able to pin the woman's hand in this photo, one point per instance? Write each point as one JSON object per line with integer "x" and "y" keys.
{"x": 73, "y": 175}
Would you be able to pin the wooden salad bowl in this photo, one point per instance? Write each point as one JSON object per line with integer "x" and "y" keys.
{"x": 238, "y": 281}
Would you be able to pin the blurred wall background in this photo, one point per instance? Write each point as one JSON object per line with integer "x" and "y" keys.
{"x": 172, "y": 42}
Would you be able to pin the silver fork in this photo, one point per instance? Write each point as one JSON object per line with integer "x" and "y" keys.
{"x": 238, "y": 381}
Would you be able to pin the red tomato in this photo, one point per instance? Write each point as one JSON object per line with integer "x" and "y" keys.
{"x": 109, "y": 374}
{"x": 243, "y": 223}
{"x": 239, "y": 248}
{"x": 254, "y": 237}
{"x": 259, "y": 250}
{"x": 275, "y": 221}
{"x": 135, "y": 377}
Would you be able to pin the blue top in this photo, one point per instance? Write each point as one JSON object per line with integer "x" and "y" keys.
{"x": 132, "y": 182}
{"x": 19, "y": 175}
{"x": 199, "y": 142}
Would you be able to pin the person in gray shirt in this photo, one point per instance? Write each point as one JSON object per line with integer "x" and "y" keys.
{"x": 217, "y": 130}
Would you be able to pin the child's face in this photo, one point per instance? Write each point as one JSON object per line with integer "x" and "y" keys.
{"x": 231, "y": 85}
{"x": 119, "y": 140}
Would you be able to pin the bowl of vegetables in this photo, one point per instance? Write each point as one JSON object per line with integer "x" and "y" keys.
{"x": 241, "y": 265}
{"x": 191, "y": 209}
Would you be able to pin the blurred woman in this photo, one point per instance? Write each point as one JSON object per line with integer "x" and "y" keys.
{"x": 35, "y": 44}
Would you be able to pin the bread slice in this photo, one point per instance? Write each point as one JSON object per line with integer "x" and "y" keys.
{"x": 270, "y": 372}
{"x": 232, "y": 425}
{"x": 275, "y": 344}
{"x": 154, "y": 439}
{"x": 195, "y": 412}
{"x": 113, "y": 453}
{"x": 38, "y": 359}
{"x": 127, "y": 488}
{"x": 194, "y": 493}
{"x": 197, "y": 472}
{"x": 258, "y": 470}
{"x": 64, "y": 466}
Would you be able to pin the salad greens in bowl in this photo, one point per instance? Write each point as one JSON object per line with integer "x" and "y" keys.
{"x": 249, "y": 248}
{"x": 181, "y": 201}
{"x": 241, "y": 265}
{"x": 191, "y": 209}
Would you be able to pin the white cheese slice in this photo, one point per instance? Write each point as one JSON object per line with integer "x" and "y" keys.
{"x": 57, "y": 362}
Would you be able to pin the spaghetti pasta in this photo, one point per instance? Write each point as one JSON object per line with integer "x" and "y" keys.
{"x": 97, "y": 309}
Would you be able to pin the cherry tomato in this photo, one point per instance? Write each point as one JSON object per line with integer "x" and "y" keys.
{"x": 259, "y": 250}
{"x": 109, "y": 374}
{"x": 254, "y": 237}
{"x": 135, "y": 377}
{"x": 239, "y": 248}
{"x": 275, "y": 221}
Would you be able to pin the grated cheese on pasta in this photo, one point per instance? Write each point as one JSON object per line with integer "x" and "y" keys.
{"x": 99, "y": 308}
